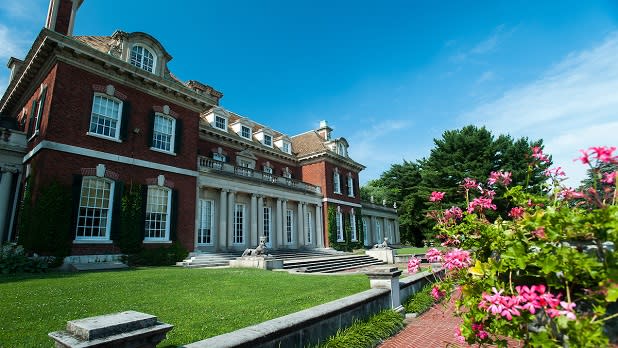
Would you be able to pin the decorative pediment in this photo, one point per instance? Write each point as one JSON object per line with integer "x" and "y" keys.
{"x": 247, "y": 154}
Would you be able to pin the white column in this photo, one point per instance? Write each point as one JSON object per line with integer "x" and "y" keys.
{"x": 374, "y": 231}
{"x": 222, "y": 231}
{"x": 260, "y": 216}
{"x": 254, "y": 221}
{"x": 300, "y": 240}
{"x": 278, "y": 224}
{"x": 319, "y": 227}
{"x": 231, "y": 201}
{"x": 5, "y": 192}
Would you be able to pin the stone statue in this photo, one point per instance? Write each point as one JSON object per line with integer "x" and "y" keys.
{"x": 259, "y": 251}
{"x": 382, "y": 245}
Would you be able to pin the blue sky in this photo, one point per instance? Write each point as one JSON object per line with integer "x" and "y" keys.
{"x": 388, "y": 77}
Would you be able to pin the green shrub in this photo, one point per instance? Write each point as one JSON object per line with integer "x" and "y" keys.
{"x": 13, "y": 259}
{"x": 161, "y": 256}
{"x": 368, "y": 333}
{"x": 421, "y": 301}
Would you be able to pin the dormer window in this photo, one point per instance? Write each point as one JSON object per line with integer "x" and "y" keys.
{"x": 268, "y": 140}
{"x": 142, "y": 58}
{"x": 341, "y": 150}
{"x": 220, "y": 122}
{"x": 284, "y": 144}
{"x": 286, "y": 147}
{"x": 245, "y": 132}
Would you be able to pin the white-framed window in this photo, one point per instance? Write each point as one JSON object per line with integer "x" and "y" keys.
{"x": 289, "y": 225}
{"x": 268, "y": 170}
{"x": 163, "y": 133}
{"x": 389, "y": 230}
{"x": 105, "y": 117}
{"x": 353, "y": 227}
{"x": 339, "y": 223}
{"x": 378, "y": 230}
{"x": 218, "y": 157}
{"x": 268, "y": 140}
{"x": 336, "y": 182}
{"x": 341, "y": 150}
{"x": 350, "y": 186}
{"x": 204, "y": 232}
{"x": 286, "y": 147}
{"x": 221, "y": 122}
{"x": 365, "y": 234}
{"x": 267, "y": 223}
{"x": 95, "y": 209}
{"x": 158, "y": 204}
{"x": 309, "y": 218}
{"x": 245, "y": 132}
{"x": 142, "y": 58}
{"x": 239, "y": 224}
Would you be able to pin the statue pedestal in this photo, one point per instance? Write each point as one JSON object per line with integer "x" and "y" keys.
{"x": 263, "y": 262}
{"x": 384, "y": 254}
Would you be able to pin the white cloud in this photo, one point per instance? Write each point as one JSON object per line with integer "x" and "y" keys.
{"x": 9, "y": 45}
{"x": 488, "y": 45}
{"x": 572, "y": 106}
{"x": 486, "y": 76}
{"x": 28, "y": 10}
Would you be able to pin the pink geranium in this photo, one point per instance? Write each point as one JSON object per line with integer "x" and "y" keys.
{"x": 469, "y": 184}
{"x": 503, "y": 178}
{"x": 436, "y": 293}
{"x": 609, "y": 178}
{"x": 539, "y": 232}
{"x": 457, "y": 259}
{"x": 537, "y": 153}
{"x": 604, "y": 153}
{"x": 480, "y": 204}
{"x": 433, "y": 255}
{"x": 414, "y": 264}
{"x": 436, "y": 196}
{"x": 516, "y": 212}
{"x": 454, "y": 213}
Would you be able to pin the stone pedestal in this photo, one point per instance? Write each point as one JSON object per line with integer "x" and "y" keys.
{"x": 124, "y": 329}
{"x": 262, "y": 262}
{"x": 384, "y": 254}
{"x": 387, "y": 278}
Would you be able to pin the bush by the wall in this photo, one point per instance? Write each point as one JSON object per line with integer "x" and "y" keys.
{"x": 13, "y": 259}
{"x": 421, "y": 301}
{"x": 161, "y": 256}
{"x": 368, "y": 333}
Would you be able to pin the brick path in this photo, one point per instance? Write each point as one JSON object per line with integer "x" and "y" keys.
{"x": 433, "y": 329}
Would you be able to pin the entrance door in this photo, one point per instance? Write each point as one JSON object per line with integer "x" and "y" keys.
{"x": 205, "y": 228}
{"x": 268, "y": 226}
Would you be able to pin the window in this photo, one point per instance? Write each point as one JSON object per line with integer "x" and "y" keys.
{"x": 365, "y": 232}
{"x": 339, "y": 222}
{"x": 286, "y": 173}
{"x": 341, "y": 150}
{"x": 267, "y": 219}
{"x": 389, "y": 230}
{"x": 350, "y": 186}
{"x": 268, "y": 140}
{"x": 289, "y": 224}
{"x": 221, "y": 123}
{"x": 268, "y": 170}
{"x": 163, "y": 133}
{"x": 218, "y": 157}
{"x": 142, "y": 58}
{"x": 309, "y": 227}
{"x": 245, "y": 132}
{"x": 336, "y": 183}
{"x": 286, "y": 147}
{"x": 157, "y": 214}
{"x": 353, "y": 227}
{"x": 378, "y": 231}
{"x": 204, "y": 232}
{"x": 239, "y": 216}
{"x": 95, "y": 215}
{"x": 105, "y": 117}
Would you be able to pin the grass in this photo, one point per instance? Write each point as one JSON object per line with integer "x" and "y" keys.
{"x": 421, "y": 301}
{"x": 368, "y": 333}
{"x": 200, "y": 303}
{"x": 411, "y": 250}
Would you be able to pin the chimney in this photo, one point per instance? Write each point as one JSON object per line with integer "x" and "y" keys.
{"x": 14, "y": 64}
{"x": 324, "y": 130}
{"x": 61, "y": 16}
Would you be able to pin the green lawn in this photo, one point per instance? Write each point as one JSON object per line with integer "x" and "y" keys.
{"x": 200, "y": 303}
{"x": 411, "y": 250}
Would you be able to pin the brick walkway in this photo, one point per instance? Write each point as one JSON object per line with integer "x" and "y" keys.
{"x": 433, "y": 329}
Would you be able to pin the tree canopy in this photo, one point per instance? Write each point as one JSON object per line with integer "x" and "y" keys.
{"x": 470, "y": 152}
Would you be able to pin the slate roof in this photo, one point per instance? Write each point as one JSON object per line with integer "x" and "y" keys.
{"x": 308, "y": 143}
{"x": 100, "y": 43}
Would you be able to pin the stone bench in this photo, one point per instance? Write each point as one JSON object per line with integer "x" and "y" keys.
{"x": 124, "y": 329}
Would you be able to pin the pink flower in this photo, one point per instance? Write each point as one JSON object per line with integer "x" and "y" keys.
{"x": 539, "y": 232}
{"x": 469, "y": 184}
{"x": 585, "y": 159}
{"x": 414, "y": 265}
{"x": 481, "y": 203}
{"x": 537, "y": 153}
{"x": 436, "y": 293}
{"x": 433, "y": 255}
{"x": 503, "y": 178}
{"x": 457, "y": 259}
{"x": 604, "y": 153}
{"x": 454, "y": 213}
{"x": 609, "y": 178}
{"x": 516, "y": 212}
{"x": 458, "y": 337}
{"x": 436, "y": 196}
{"x": 569, "y": 193}
{"x": 489, "y": 194}
{"x": 554, "y": 172}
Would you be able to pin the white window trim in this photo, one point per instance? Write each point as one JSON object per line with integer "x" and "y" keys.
{"x": 212, "y": 221}
{"x": 337, "y": 183}
{"x": 350, "y": 187}
{"x": 264, "y": 140}
{"x": 108, "y": 224}
{"x": 172, "y": 150}
{"x": 155, "y": 58}
{"x": 242, "y": 224}
{"x": 214, "y": 122}
{"x": 309, "y": 218}
{"x": 165, "y": 238}
{"x": 267, "y": 231}
{"x": 250, "y": 132}
{"x": 354, "y": 235}
{"x": 289, "y": 226}
{"x": 339, "y": 227}
{"x": 119, "y": 123}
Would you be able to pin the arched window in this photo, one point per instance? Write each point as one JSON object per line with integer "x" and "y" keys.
{"x": 142, "y": 58}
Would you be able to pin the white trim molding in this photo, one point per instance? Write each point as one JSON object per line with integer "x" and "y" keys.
{"x": 336, "y": 201}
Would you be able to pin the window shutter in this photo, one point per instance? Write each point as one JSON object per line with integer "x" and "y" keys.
{"x": 144, "y": 192}
{"x": 124, "y": 120}
{"x": 76, "y": 192}
{"x": 174, "y": 216}
{"x": 31, "y": 119}
{"x": 178, "y": 136}
{"x": 116, "y": 210}
{"x": 41, "y": 108}
{"x": 151, "y": 129}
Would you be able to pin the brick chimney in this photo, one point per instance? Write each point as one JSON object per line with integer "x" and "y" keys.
{"x": 324, "y": 130}
{"x": 61, "y": 16}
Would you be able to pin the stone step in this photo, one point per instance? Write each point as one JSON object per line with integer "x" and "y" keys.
{"x": 336, "y": 268}
{"x": 321, "y": 260}
{"x": 98, "y": 266}
{"x": 340, "y": 265}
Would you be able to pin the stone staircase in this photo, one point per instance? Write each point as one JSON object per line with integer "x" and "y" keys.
{"x": 202, "y": 260}
{"x": 331, "y": 264}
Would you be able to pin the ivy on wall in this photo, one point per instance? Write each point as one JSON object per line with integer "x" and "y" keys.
{"x": 347, "y": 244}
{"x": 131, "y": 220}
